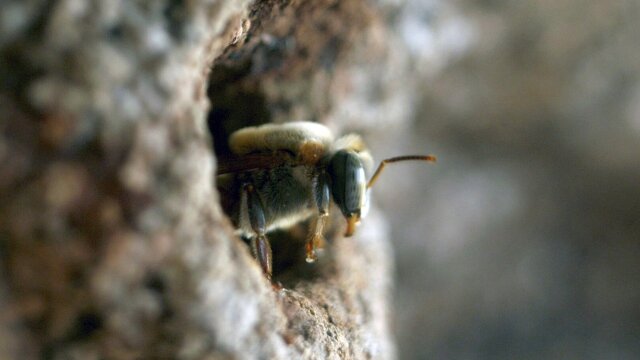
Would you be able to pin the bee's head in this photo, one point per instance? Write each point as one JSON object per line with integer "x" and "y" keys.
{"x": 349, "y": 186}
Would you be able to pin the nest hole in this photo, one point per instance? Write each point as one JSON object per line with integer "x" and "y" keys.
{"x": 237, "y": 102}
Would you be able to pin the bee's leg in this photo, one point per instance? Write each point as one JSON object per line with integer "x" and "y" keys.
{"x": 321, "y": 195}
{"x": 262, "y": 251}
{"x": 259, "y": 242}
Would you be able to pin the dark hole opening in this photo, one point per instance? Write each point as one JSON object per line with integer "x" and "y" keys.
{"x": 237, "y": 102}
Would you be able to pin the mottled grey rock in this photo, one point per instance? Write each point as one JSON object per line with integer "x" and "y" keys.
{"x": 112, "y": 237}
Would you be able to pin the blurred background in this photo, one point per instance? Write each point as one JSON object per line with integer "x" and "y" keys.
{"x": 523, "y": 242}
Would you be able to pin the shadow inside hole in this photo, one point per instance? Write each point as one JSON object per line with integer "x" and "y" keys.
{"x": 236, "y": 102}
{"x": 288, "y": 245}
{"x": 290, "y": 267}
{"x": 289, "y": 255}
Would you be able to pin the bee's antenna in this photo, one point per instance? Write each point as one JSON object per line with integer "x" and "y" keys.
{"x": 428, "y": 158}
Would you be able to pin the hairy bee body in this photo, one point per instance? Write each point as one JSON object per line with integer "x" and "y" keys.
{"x": 288, "y": 191}
{"x": 281, "y": 174}
{"x": 285, "y": 190}
{"x": 272, "y": 137}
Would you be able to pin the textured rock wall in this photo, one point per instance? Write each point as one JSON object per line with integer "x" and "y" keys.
{"x": 112, "y": 240}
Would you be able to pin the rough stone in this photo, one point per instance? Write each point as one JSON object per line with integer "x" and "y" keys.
{"x": 112, "y": 239}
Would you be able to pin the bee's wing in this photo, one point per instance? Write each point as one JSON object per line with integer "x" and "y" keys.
{"x": 240, "y": 163}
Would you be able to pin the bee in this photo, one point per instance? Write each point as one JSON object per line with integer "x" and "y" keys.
{"x": 281, "y": 174}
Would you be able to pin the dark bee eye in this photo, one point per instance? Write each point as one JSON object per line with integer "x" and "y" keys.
{"x": 348, "y": 182}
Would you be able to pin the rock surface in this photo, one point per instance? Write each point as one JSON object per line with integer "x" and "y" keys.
{"x": 112, "y": 239}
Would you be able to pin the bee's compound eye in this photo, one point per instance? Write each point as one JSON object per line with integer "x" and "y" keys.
{"x": 348, "y": 182}
{"x": 356, "y": 188}
{"x": 367, "y": 202}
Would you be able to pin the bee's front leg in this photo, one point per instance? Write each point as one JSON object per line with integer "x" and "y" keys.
{"x": 321, "y": 195}
{"x": 259, "y": 242}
